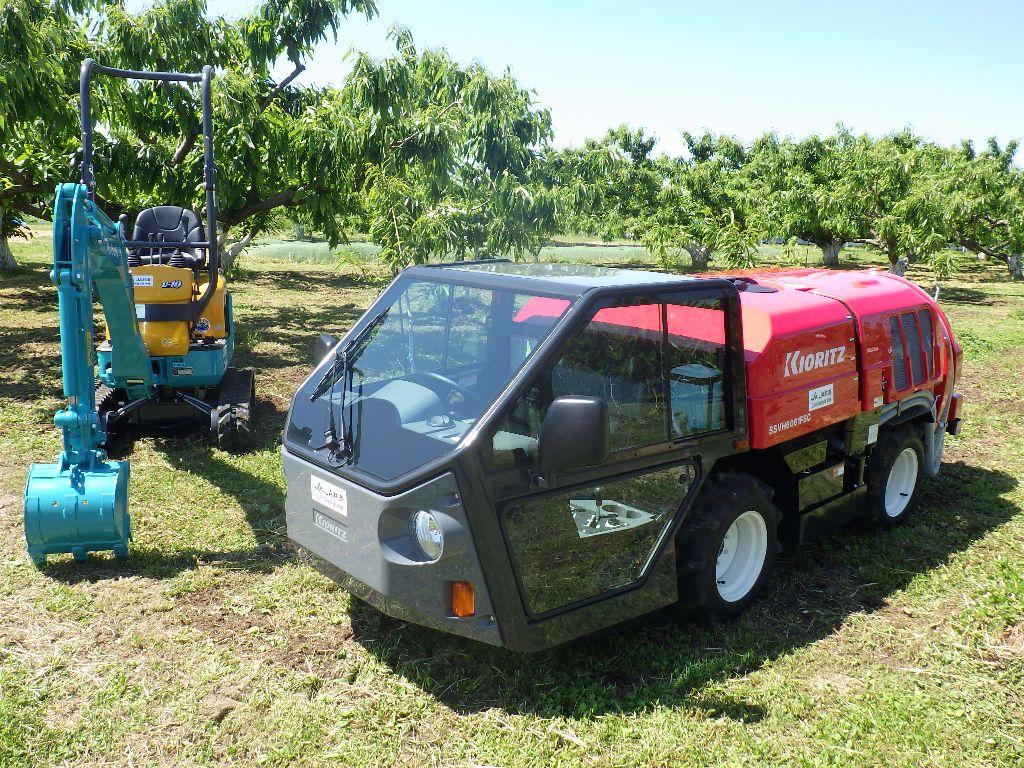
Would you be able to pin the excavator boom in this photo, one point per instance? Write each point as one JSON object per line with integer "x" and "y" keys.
{"x": 80, "y": 504}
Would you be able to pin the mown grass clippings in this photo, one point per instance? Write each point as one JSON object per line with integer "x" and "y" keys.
{"x": 215, "y": 644}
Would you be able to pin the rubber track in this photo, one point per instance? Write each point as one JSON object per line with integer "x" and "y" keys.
{"x": 235, "y": 409}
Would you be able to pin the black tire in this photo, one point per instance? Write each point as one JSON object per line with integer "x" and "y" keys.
{"x": 723, "y": 500}
{"x": 882, "y": 470}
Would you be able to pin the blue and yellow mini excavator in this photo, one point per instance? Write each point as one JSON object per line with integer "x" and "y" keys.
{"x": 165, "y": 359}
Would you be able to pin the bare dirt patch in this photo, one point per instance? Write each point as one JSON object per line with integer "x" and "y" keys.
{"x": 317, "y": 647}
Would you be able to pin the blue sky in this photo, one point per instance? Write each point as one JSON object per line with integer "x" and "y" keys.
{"x": 949, "y": 70}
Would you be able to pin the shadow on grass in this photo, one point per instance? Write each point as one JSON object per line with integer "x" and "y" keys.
{"x": 190, "y": 450}
{"x": 960, "y": 295}
{"x": 664, "y": 661}
{"x": 261, "y": 501}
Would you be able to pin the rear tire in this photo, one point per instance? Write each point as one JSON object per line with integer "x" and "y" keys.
{"x": 726, "y": 549}
{"x": 894, "y": 475}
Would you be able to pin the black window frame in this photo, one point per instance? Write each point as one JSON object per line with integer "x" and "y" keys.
{"x": 576, "y": 320}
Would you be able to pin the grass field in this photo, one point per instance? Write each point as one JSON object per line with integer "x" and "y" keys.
{"x": 565, "y": 249}
{"x": 217, "y": 645}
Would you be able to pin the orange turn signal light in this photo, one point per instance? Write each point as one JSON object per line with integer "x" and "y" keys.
{"x": 463, "y": 599}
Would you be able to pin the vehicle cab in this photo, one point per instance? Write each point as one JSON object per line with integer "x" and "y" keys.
{"x": 506, "y": 451}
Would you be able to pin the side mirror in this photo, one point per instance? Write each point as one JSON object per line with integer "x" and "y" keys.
{"x": 325, "y": 342}
{"x": 574, "y": 434}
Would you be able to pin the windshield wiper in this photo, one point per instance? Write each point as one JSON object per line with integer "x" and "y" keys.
{"x": 341, "y": 449}
{"x": 330, "y": 378}
{"x": 330, "y": 435}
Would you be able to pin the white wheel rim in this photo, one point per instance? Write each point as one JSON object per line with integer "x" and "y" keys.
{"x": 899, "y": 488}
{"x": 741, "y": 556}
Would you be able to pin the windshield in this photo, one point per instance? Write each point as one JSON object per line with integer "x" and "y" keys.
{"x": 408, "y": 388}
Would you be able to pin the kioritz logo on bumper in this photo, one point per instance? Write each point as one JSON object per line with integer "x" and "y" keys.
{"x": 324, "y": 523}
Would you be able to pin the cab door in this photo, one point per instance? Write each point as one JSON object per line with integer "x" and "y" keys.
{"x": 669, "y": 368}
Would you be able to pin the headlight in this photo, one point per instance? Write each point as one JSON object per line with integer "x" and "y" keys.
{"x": 428, "y": 534}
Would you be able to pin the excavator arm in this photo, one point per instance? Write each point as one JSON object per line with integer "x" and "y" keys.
{"x": 80, "y": 504}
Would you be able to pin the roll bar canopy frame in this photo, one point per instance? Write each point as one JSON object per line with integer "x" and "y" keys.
{"x": 89, "y": 66}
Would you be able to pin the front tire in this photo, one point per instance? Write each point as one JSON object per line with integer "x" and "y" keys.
{"x": 726, "y": 549}
{"x": 894, "y": 475}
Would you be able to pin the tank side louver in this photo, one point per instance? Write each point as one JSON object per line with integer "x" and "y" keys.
{"x": 929, "y": 340}
{"x": 913, "y": 341}
{"x": 899, "y": 370}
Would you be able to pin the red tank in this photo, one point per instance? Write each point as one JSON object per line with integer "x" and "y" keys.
{"x": 822, "y": 345}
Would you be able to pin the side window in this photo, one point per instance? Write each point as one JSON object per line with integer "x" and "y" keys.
{"x": 660, "y": 366}
{"x": 696, "y": 367}
{"x": 618, "y": 356}
{"x": 573, "y": 545}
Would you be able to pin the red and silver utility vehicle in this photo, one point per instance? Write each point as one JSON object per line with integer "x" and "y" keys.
{"x": 527, "y": 453}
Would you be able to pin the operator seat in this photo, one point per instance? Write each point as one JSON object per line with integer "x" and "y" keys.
{"x": 169, "y": 223}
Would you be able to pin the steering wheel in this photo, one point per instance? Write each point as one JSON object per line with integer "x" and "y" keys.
{"x": 454, "y": 386}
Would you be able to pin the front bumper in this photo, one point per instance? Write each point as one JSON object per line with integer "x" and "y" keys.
{"x": 366, "y": 543}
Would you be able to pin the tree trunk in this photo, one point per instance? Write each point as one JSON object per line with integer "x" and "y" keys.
{"x": 228, "y": 250}
{"x": 229, "y": 254}
{"x": 830, "y": 253}
{"x": 6, "y": 257}
{"x": 700, "y": 255}
{"x": 1016, "y": 265}
{"x": 300, "y": 231}
{"x": 889, "y": 247}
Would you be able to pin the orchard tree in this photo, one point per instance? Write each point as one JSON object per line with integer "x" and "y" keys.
{"x": 610, "y": 187}
{"x": 277, "y": 146}
{"x": 981, "y": 196}
{"x": 41, "y": 48}
{"x": 450, "y": 157}
{"x": 876, "y": 198}
{"x": 703, "y": 205}
{"x": 795, "y": 184}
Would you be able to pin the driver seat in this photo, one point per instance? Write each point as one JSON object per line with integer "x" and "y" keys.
{"x": 169, "y": 223}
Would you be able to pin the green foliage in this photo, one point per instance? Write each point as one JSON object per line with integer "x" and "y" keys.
{"x": 435, "y": 159}
{"x": 42, "y": 44}
{"x": 607, "y": 188}
{"x": 451, "y": 157}
{"x": 276, "y": 145}
{"x": 979, "y": 196}
{"x": 906, "y": 197}
{"x": 703, "y": 203}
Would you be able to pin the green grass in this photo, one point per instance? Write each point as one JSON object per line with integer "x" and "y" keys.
{"x": 567, "y": 248}
{"x": 217, "y": 645}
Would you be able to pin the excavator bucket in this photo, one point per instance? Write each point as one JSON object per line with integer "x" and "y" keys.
{"x": 77, "y": 510}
